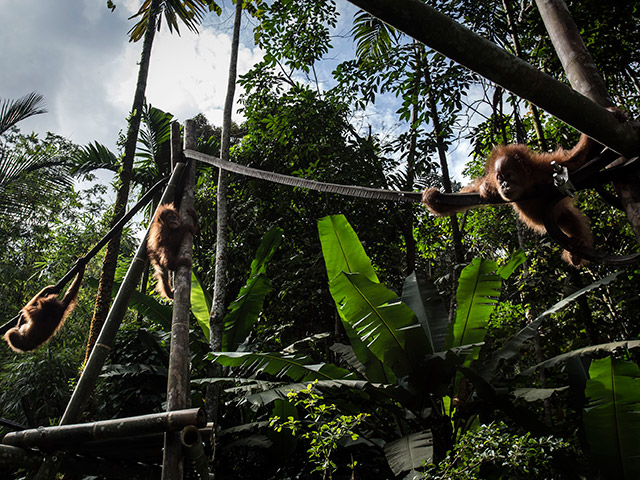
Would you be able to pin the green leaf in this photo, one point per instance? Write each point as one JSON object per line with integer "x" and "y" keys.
{"x": 517, "y": 258}
{"x": 200, "y": 304}
{"x": 590, "y": 350}
{"x": 151, "y": 308}
{"x": 409, "y": 452}
{"x": 268, "y": 245}
{"x": 423, "y": 298}
{"x": 389, "y": 329}
{"x": 535, "y": 394}
{"x": 342, "y": 249}
{"x": 477, "y": 296}
{"x": 343, "y": 252}
{"x": 296, "y": 367}
{"x": 245, "y": 310}
{"x": 612, "y": 417}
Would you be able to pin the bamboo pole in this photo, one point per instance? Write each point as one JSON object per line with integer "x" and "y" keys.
{"x": 65, "y": 435}
{"x": 30, "y": 459}
{"x": 443, "y": 34}
{"x": 179, "y": 359}
{"x": 101, "y": 350}
{"x": 194, "y": 450}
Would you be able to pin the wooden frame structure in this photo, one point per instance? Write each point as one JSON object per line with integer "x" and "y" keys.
{"x": 76, "y": 447}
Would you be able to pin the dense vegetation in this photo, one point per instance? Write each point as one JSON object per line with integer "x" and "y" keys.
{"x": 364, "y": 338}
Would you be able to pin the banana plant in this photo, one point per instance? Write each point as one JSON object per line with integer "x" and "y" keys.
{"x": 398, "y": 341}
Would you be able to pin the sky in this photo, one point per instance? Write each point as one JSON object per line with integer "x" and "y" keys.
{"x": 76, "y": 54}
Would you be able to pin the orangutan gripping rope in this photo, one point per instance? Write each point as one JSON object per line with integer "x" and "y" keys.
{"x": 514, "y": 173}
{"x": 42, "y": 317}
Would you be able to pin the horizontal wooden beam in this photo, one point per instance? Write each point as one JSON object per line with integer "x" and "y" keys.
{"x": 66, "y": 435}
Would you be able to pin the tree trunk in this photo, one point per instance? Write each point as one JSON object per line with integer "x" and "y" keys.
{"x": 105, "y": 287}
{"x": 458, "y": 250}
{"x": 576, "y": 60}
{"x": 218, "y": 307}
{"x": 407, "y": 219}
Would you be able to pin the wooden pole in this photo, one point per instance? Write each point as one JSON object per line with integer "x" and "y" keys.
{"x": 178, "y": 375}
{"x": 585, "y": 78}
{"x": 424, "y": 23}
{"x": 65, "y": 435}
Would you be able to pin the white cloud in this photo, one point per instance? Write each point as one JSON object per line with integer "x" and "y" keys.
{"x": 80, "y": 59}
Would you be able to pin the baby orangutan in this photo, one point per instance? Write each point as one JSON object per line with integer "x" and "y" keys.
{"x": 42, "y": 317}
{"x": 514, "y": 173}
{"x": 163, "y": 245}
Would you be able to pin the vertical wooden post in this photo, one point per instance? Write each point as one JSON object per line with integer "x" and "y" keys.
{"x": 178, "y": 377}
{"x": 585, "y": 78}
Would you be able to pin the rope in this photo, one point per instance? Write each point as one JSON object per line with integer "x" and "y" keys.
{"x": 350, "y": 190}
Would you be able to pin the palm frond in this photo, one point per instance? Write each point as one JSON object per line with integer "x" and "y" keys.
{"x": 25, "y": 180}
{"x": 94, "y": 157}
{"x": 13, "y": 111}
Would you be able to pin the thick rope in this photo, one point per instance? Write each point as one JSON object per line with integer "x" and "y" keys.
{"x": 350, "y": 190}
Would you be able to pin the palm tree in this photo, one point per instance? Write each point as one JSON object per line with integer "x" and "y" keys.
{"x": 27, "y": 179}
{"x": 189, "y": 12}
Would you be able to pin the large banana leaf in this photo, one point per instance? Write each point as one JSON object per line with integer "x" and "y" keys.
{"x": 299, "y": 368}
{"x": 589, "y": 351}
{"x": 477, "y": 296}
{"x": 245, "y": 310}
{"x": 343, "y": 252}
{"x": 423, "y": 299}
{"x": 268, "y": 245}
{"x": 342, "y": 249}
{"x": 200, "y": 304}
{"x": 612, "y": 417}
{"x": 389, "y": 329}
{"x": 409, "y": 452}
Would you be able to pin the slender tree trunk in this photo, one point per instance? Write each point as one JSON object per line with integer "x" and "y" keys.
{"x": 408, "y": 217}
{"x": 218, "y": 307}
{"x": 537, "y": 124}
{"x": 458, "y": 250}
{"x": 105, "y": 287}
